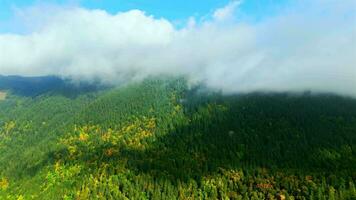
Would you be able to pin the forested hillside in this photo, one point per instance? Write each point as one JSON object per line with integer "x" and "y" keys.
{"x": 160, "y": 139}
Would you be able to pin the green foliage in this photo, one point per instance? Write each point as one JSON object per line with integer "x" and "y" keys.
{"x": 160, "y": 140}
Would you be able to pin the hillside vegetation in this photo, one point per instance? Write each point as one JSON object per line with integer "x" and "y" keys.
{"x": 160, "y": 140}
{"x": 2, "y": 95}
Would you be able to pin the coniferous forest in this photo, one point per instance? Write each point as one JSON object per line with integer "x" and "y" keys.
{"x": 165, "y": 139}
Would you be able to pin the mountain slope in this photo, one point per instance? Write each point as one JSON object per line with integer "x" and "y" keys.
{"x": 160, "y": 140}
{"x": 2, "y": 95}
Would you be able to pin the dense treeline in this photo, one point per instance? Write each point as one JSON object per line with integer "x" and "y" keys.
{"x": 160, "y": 140}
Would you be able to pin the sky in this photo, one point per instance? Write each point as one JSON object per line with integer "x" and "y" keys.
{"x": 176, "y": 11}
{"x": 234, "y": 46}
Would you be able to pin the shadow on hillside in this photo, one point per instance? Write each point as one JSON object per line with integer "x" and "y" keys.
{"x": 277, "y": 132}
{"x": 302, "y": 134}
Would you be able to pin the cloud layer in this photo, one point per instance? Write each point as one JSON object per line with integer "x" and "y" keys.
{"x": 310, "y": 46}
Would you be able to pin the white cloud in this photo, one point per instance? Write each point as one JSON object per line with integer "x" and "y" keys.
{"x": 226, "y": 12}
{"x": 300, "y": 49}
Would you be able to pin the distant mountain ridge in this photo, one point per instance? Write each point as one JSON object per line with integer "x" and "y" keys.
{"x": 34, "y": 86}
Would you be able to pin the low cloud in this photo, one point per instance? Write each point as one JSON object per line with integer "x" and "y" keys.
{"x": 309, "y": 46}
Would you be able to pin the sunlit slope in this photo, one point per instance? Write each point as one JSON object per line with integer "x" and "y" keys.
{"x": 2, "y": 95}
{"x": 160, "y": 140}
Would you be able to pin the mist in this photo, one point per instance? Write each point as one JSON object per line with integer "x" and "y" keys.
{"x": 309, "y": 46}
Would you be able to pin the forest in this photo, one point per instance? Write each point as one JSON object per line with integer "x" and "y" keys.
{"x": 165, "y": 139}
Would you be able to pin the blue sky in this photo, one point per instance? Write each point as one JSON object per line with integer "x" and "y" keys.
{"x": 173, "y": 10}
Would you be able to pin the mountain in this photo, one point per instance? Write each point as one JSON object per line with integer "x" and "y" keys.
{"x": 160, "y": 139}
{"x": 34, "y": 86}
